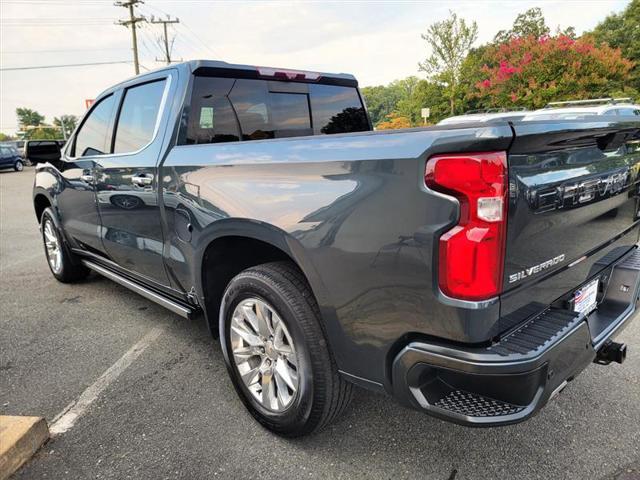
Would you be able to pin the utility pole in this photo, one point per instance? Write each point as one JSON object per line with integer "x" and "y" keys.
{"x": 64, "y": 128}
{"x": 133, "y": 20}
{"x": 166, "y": 36}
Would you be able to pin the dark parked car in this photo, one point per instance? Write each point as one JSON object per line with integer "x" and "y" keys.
{"x": 17, "y": 144}
{"x": 470, "y": 271}
{"x": 10, "y": 158}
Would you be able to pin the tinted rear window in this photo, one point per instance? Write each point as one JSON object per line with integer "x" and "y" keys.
{"x": 290, "y": 114}
{"x": 266, "y": 114}
{"x": 224, "y": 109}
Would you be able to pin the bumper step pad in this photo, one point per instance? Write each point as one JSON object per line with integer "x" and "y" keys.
{"x": 537, "y": 333}
{"x": 474, "y": 405}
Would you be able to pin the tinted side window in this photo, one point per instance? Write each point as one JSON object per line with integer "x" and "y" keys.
{"x": 337, "y": 110}
{"x": 211, "y": 118}
{"x": 92, "y": 136}
{"x": 138, "y": 116}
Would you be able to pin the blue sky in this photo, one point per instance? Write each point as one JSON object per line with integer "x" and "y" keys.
{"x": 378, "y": 41}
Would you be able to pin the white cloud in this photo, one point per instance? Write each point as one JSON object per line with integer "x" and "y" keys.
{"x": 377, "y": 41}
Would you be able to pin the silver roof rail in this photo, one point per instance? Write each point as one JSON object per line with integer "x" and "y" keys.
{"x": 496, "y": 110}
{"x": 593, "y": 101}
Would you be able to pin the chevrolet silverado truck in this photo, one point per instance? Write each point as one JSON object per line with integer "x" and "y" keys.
{"x": 469, "y": 271}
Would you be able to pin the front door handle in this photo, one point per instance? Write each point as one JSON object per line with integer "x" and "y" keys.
{"x": 142, "y": 180}
{"x": 86, "y": 177}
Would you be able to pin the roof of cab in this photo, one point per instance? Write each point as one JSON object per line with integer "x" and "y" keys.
{"x": 217, "y": 67}
{"x": 220, "y": 68}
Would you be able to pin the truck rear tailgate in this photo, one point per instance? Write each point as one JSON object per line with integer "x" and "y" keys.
{"x": 573, "y": 199}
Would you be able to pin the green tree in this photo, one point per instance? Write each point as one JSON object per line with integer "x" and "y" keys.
{"x": 450, "y": 42}
{"x": 393, "y": 121}
{"x": 405, "y": 90}
{"x": 28, "y": 117}
{"x": 426, "y": 94}
{"x": 622, "y": 30}
{"x": 66, "y": 122}
{"x": 5, "y": 138}
{"x": 43, "y": 132}
{"x": 529, "y": 23}
{"x": 381, "y": 101}
{"x": 433, "y": 95}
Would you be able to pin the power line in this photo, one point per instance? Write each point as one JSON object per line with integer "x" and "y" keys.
{"x": 10, "y": 69}
{"x": 190, "y": 32}
{"x": 53, "y": 2}
{"x": 144, "y": 35}
{"x": 41, "y": 25}
{"x": 52, "y": 19}
{"x": 70, "y": 50}
{"x": 133, "y": 20}
{"x": 168, "y": 21}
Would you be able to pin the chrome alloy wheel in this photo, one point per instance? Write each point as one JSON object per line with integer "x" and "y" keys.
{"x": 264, "y": 354}
{"x": 51, "y": 243}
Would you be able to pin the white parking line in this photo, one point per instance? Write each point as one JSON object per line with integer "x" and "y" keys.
{"x": 67, "y": 418}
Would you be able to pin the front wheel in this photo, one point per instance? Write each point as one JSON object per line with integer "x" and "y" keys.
{"x": 63, "y": 265}
{"x": 276, "y": 352}
{"x": 18, "y": 166}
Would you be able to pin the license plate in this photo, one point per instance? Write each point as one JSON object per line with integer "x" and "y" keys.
{"x": 585, "y": 300}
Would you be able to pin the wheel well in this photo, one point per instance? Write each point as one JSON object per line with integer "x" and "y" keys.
{"x": 40, "y": 203}
{"x": 226, "y": 257}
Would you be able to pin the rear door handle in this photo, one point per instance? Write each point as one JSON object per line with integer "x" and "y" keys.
{"x": 142, "y": 180}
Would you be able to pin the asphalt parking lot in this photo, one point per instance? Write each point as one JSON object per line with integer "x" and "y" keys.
{"x": 172, "y": 413}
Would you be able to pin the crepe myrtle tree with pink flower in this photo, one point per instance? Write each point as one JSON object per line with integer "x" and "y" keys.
{"x": 532, "y": 71}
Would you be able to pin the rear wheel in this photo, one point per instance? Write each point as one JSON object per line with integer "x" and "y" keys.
{"x": 64, "y": 266}
{"x": 276, "y": 352}
{"x": 18, "y": 166}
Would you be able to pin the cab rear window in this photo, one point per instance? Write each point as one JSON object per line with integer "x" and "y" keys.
{"x": 226, "y": 110}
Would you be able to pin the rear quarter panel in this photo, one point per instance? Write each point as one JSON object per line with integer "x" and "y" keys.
{"x": 352, "y": 210}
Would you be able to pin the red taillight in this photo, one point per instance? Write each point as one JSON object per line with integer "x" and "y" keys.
{"x": 471, "y": 254}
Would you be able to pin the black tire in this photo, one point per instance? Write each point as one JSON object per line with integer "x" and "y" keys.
{"x": 18, "y": 166}
{"x": 322, "y": 394}
{"x": 70, "y": 269}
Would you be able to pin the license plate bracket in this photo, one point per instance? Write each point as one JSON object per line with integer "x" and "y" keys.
{"x": 585, "y": 299}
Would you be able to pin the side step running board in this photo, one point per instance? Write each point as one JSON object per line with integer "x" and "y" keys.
{"x": 180, "y": 309}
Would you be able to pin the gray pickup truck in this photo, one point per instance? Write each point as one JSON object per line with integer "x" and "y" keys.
{"x": 470, "y": 271}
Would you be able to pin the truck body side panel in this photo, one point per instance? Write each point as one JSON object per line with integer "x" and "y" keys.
{"x": 357, "y": 209}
